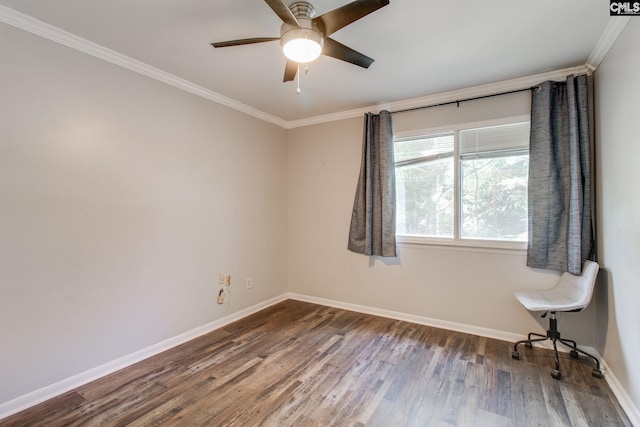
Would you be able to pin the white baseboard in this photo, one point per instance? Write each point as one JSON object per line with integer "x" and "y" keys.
{"x": 412, "y": 318}
{"x": 629, "y": 407}
{"x": 28, "y": 400}
{"x": 48, "y": 392}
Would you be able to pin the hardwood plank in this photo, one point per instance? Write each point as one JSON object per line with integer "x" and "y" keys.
{"x": 529, "y": 406}
{"x": 39, "y": 415}
{"x": 555, "y": 407}
{"x": 470, "y": 398}
{"x": 300, "y": 364}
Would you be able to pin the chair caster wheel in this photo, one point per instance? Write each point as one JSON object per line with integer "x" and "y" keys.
{"x": 596, "y": 373}
{"x": 556, "y": 374}
{"x": 515, "y": 355}
{"x": 528, "y": 345}
{"x": 574, "y": 354}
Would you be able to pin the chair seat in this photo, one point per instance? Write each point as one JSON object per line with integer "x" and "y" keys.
{"x": 550, "y": 300}
{"x": 571, "y": 293}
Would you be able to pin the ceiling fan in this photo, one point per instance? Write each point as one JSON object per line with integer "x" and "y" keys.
{"x": 304, "y": 37}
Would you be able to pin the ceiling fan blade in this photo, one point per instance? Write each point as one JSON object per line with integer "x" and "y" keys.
{"x": 337, "y": 50}
{"x": 244, "y": 41}
{"x": 338, "y": 18}
{"x": 282, "y": 10}
{"x": 290, "y": 71}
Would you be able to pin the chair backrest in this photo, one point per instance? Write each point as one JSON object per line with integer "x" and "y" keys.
{"x": 579, "y": 289}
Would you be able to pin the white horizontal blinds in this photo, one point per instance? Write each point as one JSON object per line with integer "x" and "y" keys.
{"x": 423, "y": 149}
{"x": 495, "y": 141}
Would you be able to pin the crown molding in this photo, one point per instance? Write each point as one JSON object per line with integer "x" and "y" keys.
{"x": 35, "y": 26}
{"x": 454, "y": 95}
{"x": 610, "y": 34}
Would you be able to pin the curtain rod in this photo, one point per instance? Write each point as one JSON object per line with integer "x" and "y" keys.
{"x": 466, "y": 100}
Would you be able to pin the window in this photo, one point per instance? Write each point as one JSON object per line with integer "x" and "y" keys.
{"x": 424, "y": 186}
{"x": 466, "y": 185}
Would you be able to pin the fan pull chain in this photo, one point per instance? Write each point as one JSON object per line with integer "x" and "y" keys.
{"x": 299, "y": 76}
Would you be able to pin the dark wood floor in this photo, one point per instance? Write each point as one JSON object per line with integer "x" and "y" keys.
{"x": 300, "y": 364}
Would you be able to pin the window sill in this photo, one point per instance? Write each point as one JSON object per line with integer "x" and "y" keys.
{"x": 496, "y": 246}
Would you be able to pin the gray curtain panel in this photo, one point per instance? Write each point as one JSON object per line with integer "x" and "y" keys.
{"x": 373, "y": 220}
{"x": 560, "y": 183}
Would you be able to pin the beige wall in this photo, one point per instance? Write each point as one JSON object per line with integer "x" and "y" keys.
{"x": 121, "y": 199}
{"x": 618, "y": 148}
{"x": 462, "y": 285}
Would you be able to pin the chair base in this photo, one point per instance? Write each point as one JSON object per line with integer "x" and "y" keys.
{"x": 554, "y": 335}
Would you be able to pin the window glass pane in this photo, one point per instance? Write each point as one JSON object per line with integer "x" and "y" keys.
{"x": 424, "y": 186}
{"x": 494, "y": 197}
{"x": 424, "y": 148}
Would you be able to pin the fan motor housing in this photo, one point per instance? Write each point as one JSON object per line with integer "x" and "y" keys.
{"x": 307, "y": 29}
{"x": 304, "y": 13}
{"x": 302, "y": 9}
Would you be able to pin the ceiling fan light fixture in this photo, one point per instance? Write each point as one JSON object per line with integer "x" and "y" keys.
{"x": 304, "y": 37}
{"x": 302, "y": 45}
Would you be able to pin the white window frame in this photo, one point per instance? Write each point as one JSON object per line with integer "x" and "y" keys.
{"x": 456, "y": 241}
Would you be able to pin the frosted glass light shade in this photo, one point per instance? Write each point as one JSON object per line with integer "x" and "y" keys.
{"x": 302, "y": 45}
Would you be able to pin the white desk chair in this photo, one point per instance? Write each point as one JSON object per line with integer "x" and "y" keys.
{"x": 572, "y": 293}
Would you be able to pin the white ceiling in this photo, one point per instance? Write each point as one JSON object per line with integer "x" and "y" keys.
{"x": 421, "y": 47}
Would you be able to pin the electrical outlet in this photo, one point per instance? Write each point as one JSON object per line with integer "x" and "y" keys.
{"x": 221, "y": 278}
{"x": 249, "y": 282}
